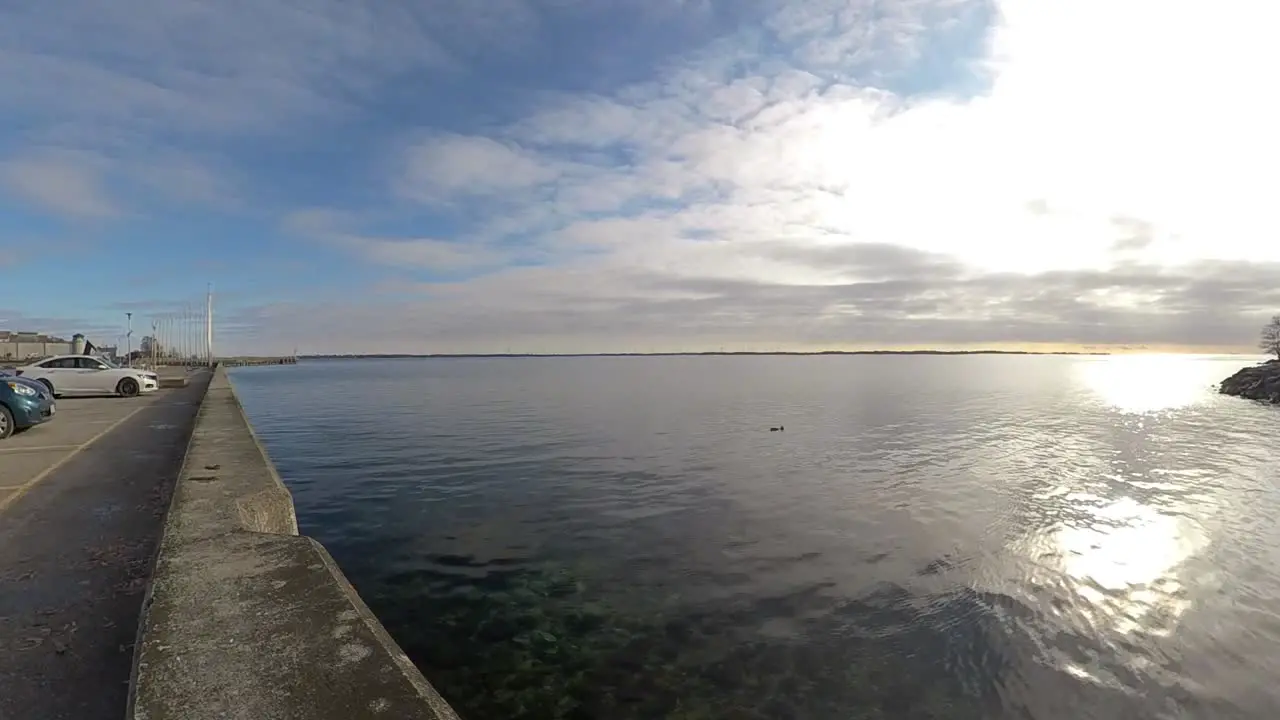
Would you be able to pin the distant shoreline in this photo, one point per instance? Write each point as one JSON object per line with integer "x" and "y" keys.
{"x": 397, "y": 356}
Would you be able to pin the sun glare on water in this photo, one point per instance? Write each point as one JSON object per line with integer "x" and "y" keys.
{"x": 1146, "y": 383}
{"x": 1125, "y": 563}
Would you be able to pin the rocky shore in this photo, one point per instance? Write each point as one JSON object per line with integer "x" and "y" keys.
{"x": 1260, "y": 382}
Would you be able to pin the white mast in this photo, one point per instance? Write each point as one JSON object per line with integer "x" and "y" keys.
{"x": 208, "y": 325}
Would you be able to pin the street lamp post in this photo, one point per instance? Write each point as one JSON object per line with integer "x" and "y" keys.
{"x": 129, "y": 339}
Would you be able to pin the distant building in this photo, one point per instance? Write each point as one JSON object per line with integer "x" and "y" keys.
{"x": 27, "y": 336}
{"x": 16, "y": 345}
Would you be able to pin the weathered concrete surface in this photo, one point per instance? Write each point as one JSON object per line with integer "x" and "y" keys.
{"x": 76, "y": 545}
{"x": 245, "y": 618}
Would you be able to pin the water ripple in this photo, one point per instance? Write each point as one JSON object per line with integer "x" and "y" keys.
{"x": 969, "y": 537}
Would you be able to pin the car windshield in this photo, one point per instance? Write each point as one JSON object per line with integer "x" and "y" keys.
{"x": 108, "y": 363}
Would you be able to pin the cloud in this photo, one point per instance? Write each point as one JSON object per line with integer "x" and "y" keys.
{"x": 885, "y": 44}
{"x": 593, "y": 174}
{"x": 198, "y": 66}
{"x": 58, "y": 325}
{"x": 74, "y": 184}
{"x": 186, "y": 179}
{"x": 844, "y": 187}
{"x": 1134, "y": 235}
{"x": 316, "y": 222}
{"x": 169, "y": 94}
{"x": 66, "y": 185}
{"x": 908, "y": 299}
{"x": 450, "y": 166}
{"x": 422, "y": 253}
{"x": 335, "y": 229}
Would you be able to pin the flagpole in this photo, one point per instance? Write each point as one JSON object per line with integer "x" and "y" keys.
{"x": 208, "y": 325}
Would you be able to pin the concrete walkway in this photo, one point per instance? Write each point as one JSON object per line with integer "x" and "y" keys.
{"x": 82, "y": 501}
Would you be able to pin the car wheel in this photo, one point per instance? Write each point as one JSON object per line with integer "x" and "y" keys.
{"x": 128, "y": 387}
{"x": 6, "y": 422}
{"x": 49, "y": 385}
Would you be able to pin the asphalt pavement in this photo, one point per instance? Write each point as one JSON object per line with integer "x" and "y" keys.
{"x": 82, "y": 503}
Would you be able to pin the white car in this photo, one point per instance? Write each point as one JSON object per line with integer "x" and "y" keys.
{"x": 88, "y": 375}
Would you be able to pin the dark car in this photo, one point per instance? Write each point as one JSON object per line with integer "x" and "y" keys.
{"x": 23, "y": 404}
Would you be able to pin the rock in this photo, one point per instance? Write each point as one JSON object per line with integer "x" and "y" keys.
{"x": 1260, "y": 382}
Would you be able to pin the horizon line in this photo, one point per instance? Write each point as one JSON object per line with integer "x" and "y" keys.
{"x": 698, "y": 353}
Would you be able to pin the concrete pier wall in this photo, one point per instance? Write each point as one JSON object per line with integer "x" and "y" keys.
{"x": 247, "y": 619}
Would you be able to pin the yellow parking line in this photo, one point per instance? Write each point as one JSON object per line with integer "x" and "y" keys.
{"x": 23, "y": 488}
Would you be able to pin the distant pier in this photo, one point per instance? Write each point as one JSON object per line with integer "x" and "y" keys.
{"x": 227, "y": 361}
{"x": 243, "y": 361}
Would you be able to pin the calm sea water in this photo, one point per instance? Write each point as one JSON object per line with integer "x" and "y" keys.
{"x": 930, "y": 537}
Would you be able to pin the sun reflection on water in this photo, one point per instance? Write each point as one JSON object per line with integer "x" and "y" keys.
{"x": 1125, "y": 564}
{"x": 1146, "y": 383}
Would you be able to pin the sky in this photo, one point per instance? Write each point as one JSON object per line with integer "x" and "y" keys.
{"x": 643, "y": 175}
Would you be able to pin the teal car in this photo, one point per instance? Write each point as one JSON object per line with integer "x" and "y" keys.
{"x": 23, "y": 404}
